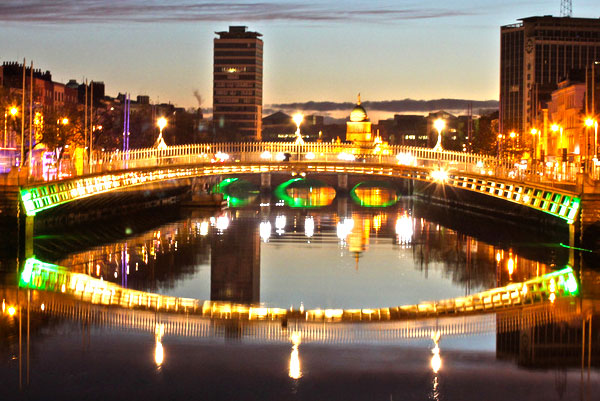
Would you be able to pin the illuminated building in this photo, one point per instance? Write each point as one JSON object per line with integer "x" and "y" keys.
{"x": 567, "y": 110}
{"x": 358, "y": 129}
{"x": 536, "y": 54}
{"x": 237, "y": 82}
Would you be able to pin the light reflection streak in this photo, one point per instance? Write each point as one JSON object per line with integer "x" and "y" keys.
{"x": 295, "y": 371}
{"x": 344, "y": 228}
{"x": 159, "y": 353}
{"x": 309, "y": 226}
{"x": 265, "y": 230}
{"x": 404, "y": 229}
{"x": 280, "y": 222}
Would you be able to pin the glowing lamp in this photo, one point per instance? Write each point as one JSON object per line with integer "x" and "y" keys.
{"x": 13, "y": 111}
{"x": 162, "y": 123}
{"x": 589, "y": 121}
{"x": 439, "y": 124}
{"x": 297, "y": 118}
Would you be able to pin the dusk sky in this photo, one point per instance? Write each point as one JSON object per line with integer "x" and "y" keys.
{"x": 313, "y": 50}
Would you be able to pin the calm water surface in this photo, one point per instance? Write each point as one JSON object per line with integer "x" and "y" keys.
{"x": 339, "y": 256}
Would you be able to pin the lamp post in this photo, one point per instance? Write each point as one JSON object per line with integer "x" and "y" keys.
{"x": 589, "y": 122}
{"x": 535, "y": 133}
{"x": 160, "y": 142}
{"x": 13, "y": 112}
{"x": 439, "y": 125}
{"x": 297, "y": 118}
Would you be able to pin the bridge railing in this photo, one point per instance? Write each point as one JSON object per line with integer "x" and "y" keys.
{"x": 102, "y": 162}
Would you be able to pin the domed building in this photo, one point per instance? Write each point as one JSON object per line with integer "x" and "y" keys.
{"x": 358, "y": 129}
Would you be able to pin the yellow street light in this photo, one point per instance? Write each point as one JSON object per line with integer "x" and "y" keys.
{"x": 297, "y": 118}
{"x": 513, "y": 134}
{"x": 534, "y": 131}
{"x": 13, "y": 112}
{"x": 160, "y": 142}
{"x": 64, "y": 121}
{"x": 162, "y": 123}
{"x": 589, "y": 121}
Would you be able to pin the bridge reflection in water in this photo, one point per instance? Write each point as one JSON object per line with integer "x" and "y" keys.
{"x": 541, "y": 322}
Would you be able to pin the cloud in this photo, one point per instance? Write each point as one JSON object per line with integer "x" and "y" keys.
{"x": 394, "y": 106}
{"x": 144, "y": 11}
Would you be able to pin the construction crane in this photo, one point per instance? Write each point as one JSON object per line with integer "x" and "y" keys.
{"x": 566, "y": 8}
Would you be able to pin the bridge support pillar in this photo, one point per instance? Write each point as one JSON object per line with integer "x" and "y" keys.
{"x": 265, "y": 181}
{"x": 589, "y": 216}
{"x": 342, "y": 181}
{"x": 29, "y": 236}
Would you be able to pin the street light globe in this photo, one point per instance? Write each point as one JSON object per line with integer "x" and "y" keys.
{"x": 534, "y": 131}
{"x": 13, "y": 111}
{"x": 589, "y": 121}
{"x": 162, "y": 123}
{"x": 554, "y": 127}
{"x": 298, "y": 117}
{"x": 439, "y": 124}
{"x": 65, "y": 121}
{"x": 513, "y": 134}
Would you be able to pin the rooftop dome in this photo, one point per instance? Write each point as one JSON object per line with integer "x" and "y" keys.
{"x": 358, "y": 113}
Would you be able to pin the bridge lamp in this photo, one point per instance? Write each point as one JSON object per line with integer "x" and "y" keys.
{"x": 297, "y": 118}
{"x": 64, "y": 121}
{"x": 162, "y": 123}
{"x": 439, "y": 125}
{"x": 440, "y": 175}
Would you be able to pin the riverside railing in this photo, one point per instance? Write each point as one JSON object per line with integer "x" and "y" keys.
{"x": 232, "y": 152}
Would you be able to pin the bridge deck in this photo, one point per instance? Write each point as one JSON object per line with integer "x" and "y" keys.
{"x": 555, "y": 201}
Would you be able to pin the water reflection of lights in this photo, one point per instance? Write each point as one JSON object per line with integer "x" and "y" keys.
{"x": 265, "y": 230}
{"x": 309, "y": 226}
{"x": 280, "y": 222}
{"x": 204, "y": 228}
{"x": 222, "y": 222}
{"x": 344, "y": 228}
{"x": 436, "y": 359}
{"x": 294, "y": 371}
{"x": 404, "y": 229}
{"x": 159, "y": 353}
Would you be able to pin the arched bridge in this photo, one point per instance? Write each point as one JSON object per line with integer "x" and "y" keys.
{"x": 548, "y": 192}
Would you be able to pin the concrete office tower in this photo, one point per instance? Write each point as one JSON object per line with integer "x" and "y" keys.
{"x": 536, "y": 54}
{"x": 237, "y": 84}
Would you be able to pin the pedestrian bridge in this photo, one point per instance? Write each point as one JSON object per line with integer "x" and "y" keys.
{"x": 547, "y": 191}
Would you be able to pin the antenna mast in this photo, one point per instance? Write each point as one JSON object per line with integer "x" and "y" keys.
{"x": 566, "y": 8}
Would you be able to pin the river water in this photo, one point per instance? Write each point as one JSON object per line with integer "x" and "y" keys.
{"x": 340, "y": 255}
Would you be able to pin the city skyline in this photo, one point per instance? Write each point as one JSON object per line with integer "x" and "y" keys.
{"x": 313, "y": 52}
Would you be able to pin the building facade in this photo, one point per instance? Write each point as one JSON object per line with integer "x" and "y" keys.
{"x": 535, "y": 55}
{"x": 238, "y": 83}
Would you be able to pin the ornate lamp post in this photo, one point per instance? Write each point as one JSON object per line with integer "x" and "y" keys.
{"x": 439, "y": 125}
{"x": 13, "y": 112}
{"x": 298, "y": 117}
{"x": 534, "y": 132}
{"x": 160, "y": 142}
